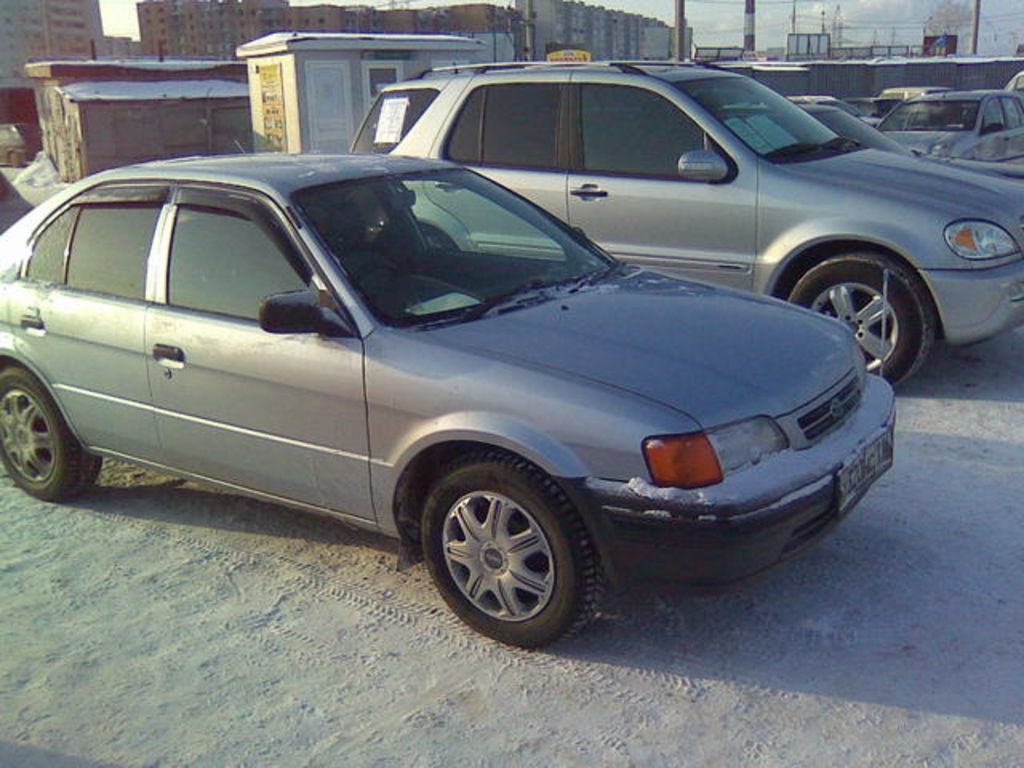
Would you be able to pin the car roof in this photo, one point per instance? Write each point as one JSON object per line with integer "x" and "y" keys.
{"x": 958, "y": 95}
{"x": 669, "y": 71}
{"x": 272, "y": 172}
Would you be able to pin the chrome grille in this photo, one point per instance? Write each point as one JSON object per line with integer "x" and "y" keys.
{"x": 826, "y": 416}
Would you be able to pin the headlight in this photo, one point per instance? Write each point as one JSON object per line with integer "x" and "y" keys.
{"x": 700, "y": 459}
{"x": 740, "y": 445}
{"x": 977, "y": 240}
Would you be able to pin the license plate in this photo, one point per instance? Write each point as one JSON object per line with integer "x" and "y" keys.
{"x": 870, "y": 464}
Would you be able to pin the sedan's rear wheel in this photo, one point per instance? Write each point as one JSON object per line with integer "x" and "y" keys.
{"x": 508, "y": 552}
{"x": 885, "y": 306}
{"x": 37, "y": 449}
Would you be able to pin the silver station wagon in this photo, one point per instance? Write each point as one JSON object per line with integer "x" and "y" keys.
{"x": 411, "y": 348}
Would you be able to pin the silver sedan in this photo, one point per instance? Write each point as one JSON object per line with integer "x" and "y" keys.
{"x": 409, "y": 347}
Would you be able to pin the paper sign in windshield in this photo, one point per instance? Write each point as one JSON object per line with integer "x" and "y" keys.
{"x": 391, "y": 120}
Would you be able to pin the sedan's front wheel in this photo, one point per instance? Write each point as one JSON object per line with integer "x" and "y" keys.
{"x": 508, "y": 551}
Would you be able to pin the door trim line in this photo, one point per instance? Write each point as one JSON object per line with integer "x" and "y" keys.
{"x": 222, "y": 425}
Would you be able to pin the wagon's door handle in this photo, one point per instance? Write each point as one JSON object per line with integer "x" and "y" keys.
{"x": 588, "y": 190}
{"x": 32, "y": 321}
{"x": 172, "y": 357}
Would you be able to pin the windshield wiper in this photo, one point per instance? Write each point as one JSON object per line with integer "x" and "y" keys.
{"x": 842, "y": 144}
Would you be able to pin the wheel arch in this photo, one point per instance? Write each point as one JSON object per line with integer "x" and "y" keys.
{"x": 418, "y": 475}
{"x": 8, "y": 360}
{"x": 789, "y": 272}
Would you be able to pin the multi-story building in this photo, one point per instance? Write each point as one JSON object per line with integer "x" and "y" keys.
{"x": 46, "y": 29}
{"x": 215, "y": 28}
{"x": 605, "y": 33}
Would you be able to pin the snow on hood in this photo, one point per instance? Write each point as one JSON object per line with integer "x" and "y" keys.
{"x": 928, "y": 142}
{"x": 715, "y": 355}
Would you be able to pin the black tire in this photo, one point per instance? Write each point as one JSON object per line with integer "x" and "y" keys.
{"x": 575, "y": 571}
{"x": 908, "y": 297}
{"x": 59, "y": 471}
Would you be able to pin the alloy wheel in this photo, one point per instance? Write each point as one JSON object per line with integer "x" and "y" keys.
{"x": 863, "y": 309}
{"x": 26, "y": 436}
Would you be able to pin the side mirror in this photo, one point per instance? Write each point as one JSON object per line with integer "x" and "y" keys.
{"x": 991, "y": 128}
{"x": 300, "y": 312}
{"x": 703, "y": 165}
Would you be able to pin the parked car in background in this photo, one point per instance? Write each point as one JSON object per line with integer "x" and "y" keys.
{"x": 830, "y": 101}
{"x": 709, "y": 174}
{"x": 890, "y": 98}
{"x": 413, "y": 349}
{"x": 969, "y": 125}
{"x": 19, "y": 143}
{"x": 854, "y": 128}
{"x": 1016, "y": 83}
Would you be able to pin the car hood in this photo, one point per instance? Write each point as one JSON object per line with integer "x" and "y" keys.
{"x": 713, "y": 354}
{"x": 915, "y": 181}
{"x": 926, "y": 142}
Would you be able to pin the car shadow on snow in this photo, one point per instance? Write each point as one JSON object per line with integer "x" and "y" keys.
{"x": 914, "y": 602}
{"x": 990, "y": 370}
{"x": 136, "y": 493}
{"x": 14, "y": 755}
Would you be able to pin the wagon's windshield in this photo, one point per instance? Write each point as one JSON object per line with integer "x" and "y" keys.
{"x": 932, "y": 116}
{"x": 768, "y": 123}
{"x": 445, "y": 246}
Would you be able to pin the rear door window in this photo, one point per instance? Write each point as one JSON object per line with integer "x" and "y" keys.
{"x": 392, "y": 116}
{"x": 1011, "y": 114}
{"x": 110, "y": 249}
{"x": 991, "y": 115}
{"x": 513, "y": 125}
{"x": 50, "y": 249}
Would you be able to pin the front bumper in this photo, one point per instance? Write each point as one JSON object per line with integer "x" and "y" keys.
{"x": 975, "y": 304}
{"x": 748, "y": 523}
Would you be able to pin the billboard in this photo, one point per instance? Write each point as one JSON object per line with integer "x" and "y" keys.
{"x": 807, "y": 47}
{"x": 940, "y": 45}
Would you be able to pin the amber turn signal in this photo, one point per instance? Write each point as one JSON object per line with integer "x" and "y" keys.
{"x": 682, "y": 461}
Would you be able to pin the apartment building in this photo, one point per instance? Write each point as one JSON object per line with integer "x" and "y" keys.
{"x": 215, "y": 28}
{"x": 46, "y": 29}
{"x": 605, "y": 33}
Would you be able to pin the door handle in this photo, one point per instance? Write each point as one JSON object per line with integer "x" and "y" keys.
{"x": 172, "y": 357}
{"x": 588, "y": 190}
{"x": 31, "y": 321}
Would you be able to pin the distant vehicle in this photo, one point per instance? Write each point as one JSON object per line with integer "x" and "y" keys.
{"x": 410, "y": 348}
{"x": 968, "y": 125}
{"x": 890, "y": 98}
{"x": 1016, "y": 83}
{"x": 830, "y": 101}
{"x": 19, "y": 143}
{"x": 850, "y": 127}
{"x": 709, "y": 174}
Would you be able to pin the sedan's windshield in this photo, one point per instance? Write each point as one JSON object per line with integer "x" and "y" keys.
{"x": 766, "y": 122}
{"x": 444, "y": 245}
{"x": 932, "y": 116}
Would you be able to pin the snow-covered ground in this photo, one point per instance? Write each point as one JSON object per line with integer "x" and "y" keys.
{"x": 154, "y": 623}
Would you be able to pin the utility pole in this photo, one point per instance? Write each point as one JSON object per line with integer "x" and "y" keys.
{"x": 792, "y": 21}
{"x": 682, "y": 54}
{"x": 748, "y": 27}
{"x": 974, "y": 27}
{"x": 530, "y": 32}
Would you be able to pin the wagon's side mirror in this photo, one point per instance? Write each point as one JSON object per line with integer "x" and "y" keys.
{"x": 703, "y": 165}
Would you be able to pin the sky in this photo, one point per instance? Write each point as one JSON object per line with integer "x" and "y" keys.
{"x": 720, "y": 22}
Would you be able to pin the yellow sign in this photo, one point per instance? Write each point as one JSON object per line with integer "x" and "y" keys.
{"x": 275, "y": 135}
{"x": 570, "y": 54}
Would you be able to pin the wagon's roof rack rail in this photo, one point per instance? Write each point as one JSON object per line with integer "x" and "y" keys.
{"x": 630, "y": 67}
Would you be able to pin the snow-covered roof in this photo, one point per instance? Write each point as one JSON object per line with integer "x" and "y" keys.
{"x": 156, "y": 90}
{"x": 145, "y": 64}
{"x": 281, "y": 42}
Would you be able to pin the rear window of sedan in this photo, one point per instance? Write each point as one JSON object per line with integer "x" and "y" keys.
{"x": 932, "y": 116}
